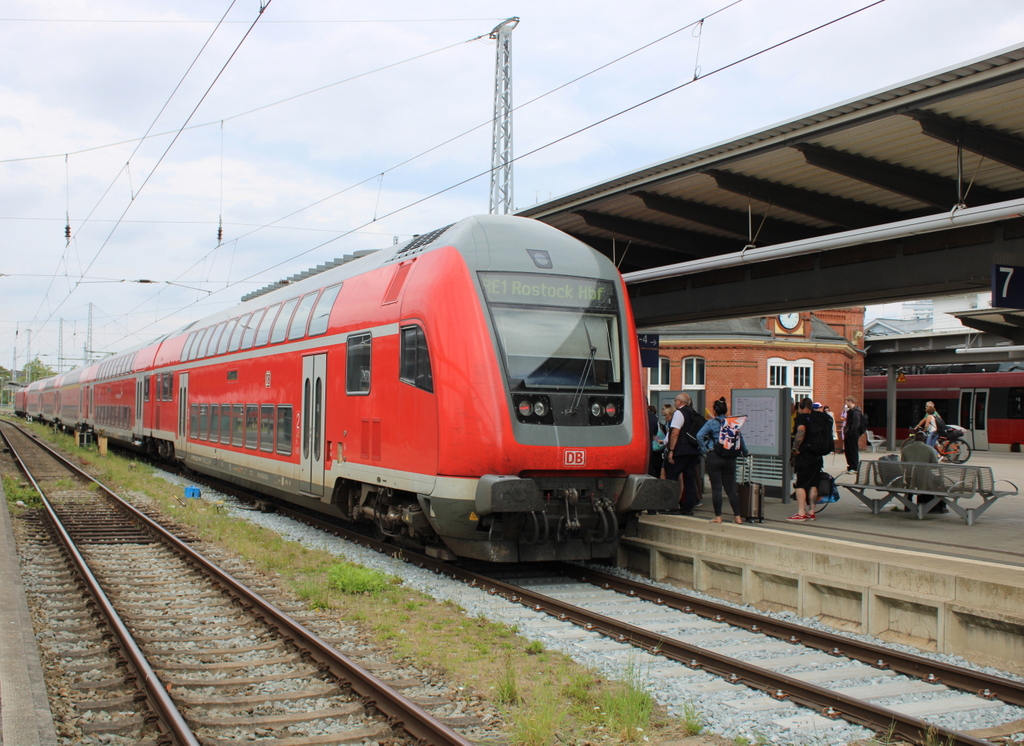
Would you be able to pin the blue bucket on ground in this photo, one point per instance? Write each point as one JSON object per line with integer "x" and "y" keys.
{"x": 193, "y": 492}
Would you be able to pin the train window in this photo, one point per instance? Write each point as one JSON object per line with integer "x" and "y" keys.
{"x": 250, "y": 329}
{"x": 284, "y": 430}
{"x": 297, "y": 329}
{"x": 225, "y": 338}
{"x": 237, "y": 424}
{"x": 252, "y": 425}
{"x": 236, "y": 335}
{"x": 263, "y": 333}
{"x": 225, "y": 423}
{"x": 145, "y": 388}
{"x": 200, "y": 343}
{"x": 281, "y": 325}
{"x": 214, "y": 422}
{"x": 204, "y": 420}
{"x": 305, "y": 419}
{"x": 357, "y": 377}
{"x": 267, "y": 428}
{"x": 322, "y": 311}
{"x": 168, "y": 387}
{"x": 187, "y": 346}
{"x": 414, "y": 366}
{"x": 211, "y": 347}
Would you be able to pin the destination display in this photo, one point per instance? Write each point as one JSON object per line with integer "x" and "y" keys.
{"x": 548, "y": 290}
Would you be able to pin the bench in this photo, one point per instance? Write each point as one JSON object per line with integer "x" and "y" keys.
{"x": 934, "y": 483}
{"x": 874, "y": 441}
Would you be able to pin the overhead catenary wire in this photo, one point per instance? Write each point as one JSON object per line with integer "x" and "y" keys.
{"x": 720, "y": 69}
{"x": 171, "y": 144}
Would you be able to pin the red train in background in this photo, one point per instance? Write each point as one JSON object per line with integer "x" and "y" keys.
{"x": 986, "y": 399}
{"x": 475, "y": 391}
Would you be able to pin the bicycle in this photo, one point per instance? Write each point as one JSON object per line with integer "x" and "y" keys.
{"x": 950, "y": 445}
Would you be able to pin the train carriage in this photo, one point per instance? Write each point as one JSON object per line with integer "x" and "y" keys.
{"x": 475, "y": 391}
{"x": 986, "y": 399}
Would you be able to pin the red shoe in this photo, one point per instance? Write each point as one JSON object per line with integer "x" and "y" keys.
{"x": 809, "y": 517}
{"x": 797, "y": 517}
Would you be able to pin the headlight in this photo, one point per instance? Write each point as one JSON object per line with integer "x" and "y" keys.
{"x": 540, "y": 408}
{"x": 596, "y": 409}
{"x": 611, "y": 410}
{"x": 525, "y": 408}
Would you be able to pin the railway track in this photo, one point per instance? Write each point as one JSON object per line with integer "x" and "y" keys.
{"x": 161, "y": 646}
{"x": 805, "y": 677}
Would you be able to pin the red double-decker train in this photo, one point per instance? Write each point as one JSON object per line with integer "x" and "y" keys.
{"x": 475, "y": 391}
{"x": 985, "y": 398}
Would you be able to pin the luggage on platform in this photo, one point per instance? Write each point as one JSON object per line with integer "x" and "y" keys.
{"x": 751, "y": 501}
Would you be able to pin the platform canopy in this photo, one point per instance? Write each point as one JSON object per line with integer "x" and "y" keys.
{"x": 945, "y": 144}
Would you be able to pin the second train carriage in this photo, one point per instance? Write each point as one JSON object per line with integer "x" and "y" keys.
{"x": 475, "y": 390}
{"x": 986, "y": 399}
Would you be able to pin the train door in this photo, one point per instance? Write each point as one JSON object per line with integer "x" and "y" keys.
{"x": 138, "y": 405}
{"x": 974, "y": 416}
{"x": 314, "y": 380}
{"x": 181, "y": 441}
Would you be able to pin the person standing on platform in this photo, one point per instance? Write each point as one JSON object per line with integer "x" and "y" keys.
{"x": 855, "y": 427}
{"x": 720, "y": 462}
{"x": 828, "y": 411}
{"x": 681, "y": 454}
{"x": 806, "y": 465}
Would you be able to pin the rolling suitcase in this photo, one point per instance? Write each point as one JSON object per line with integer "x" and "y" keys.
{"x": 751, "y": 493}
{"x": 751, "y": 501}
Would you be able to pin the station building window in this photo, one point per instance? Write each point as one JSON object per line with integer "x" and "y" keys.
{"x": 796, "y": 374}
{"x": 693, "y": 372}
{"x": 659, "y": 375}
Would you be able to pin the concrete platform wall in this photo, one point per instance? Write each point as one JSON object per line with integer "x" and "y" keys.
{"x": 966, "y": 607}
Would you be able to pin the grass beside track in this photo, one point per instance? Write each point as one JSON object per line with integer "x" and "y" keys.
{"x": 545, "y": 697}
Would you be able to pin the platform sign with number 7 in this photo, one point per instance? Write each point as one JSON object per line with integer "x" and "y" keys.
{"x": 1007, "y": 286}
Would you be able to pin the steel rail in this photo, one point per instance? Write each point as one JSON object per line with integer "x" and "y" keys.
{"x": 983, "y": 684}
{"x": 833, "y": 705}
{"x": 828, "y": 703}
{"x": 159, "y": 700}
{"x": 397, "y": 708}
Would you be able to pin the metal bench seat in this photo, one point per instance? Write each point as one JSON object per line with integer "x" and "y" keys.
{"x": 940, "y": 483}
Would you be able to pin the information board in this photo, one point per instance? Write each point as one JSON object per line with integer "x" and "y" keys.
{"x": 766, "y": 431}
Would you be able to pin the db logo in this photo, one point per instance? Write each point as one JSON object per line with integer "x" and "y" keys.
{"x": 575, "y": 457}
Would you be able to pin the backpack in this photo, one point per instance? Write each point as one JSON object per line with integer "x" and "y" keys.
{"x": 940, "y": 424}
{"x": 818, "y": 439}
{"x": 728, "y": 444}
{"x": 696, "y": 422}
{"x": 828, "y": 492}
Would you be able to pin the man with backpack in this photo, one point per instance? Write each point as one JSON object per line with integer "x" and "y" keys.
{"x": 856, "y": 426}
{"x": 812, "y": 441}
{"x": 682, "y": 457}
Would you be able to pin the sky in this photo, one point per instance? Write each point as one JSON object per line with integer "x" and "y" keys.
{"x": 311, "y": 130}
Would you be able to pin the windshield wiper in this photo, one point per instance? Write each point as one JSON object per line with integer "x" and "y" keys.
{"x": 574, "y": 407}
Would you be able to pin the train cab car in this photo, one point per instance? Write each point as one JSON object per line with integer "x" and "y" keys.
{"x": 475, "y": 392}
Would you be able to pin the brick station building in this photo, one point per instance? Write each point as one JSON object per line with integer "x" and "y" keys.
{"x": 818, "y": 354}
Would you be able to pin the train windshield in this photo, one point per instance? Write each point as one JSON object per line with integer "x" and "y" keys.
{"x": 556, "y": 332}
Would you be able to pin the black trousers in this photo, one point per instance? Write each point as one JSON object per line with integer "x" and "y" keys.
{"x": 722, "y": 473}
{"x": 851, "y": 445}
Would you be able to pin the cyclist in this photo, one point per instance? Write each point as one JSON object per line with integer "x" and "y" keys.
{"x": 929, "y": 424}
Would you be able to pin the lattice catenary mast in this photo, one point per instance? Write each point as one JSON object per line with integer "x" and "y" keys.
{"x": 501, "y": 135}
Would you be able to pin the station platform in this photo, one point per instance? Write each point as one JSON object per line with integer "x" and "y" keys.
{"x": 936, "y": 584}
{"x": 998, "y": 536}
{"x": 25, "y": 718}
